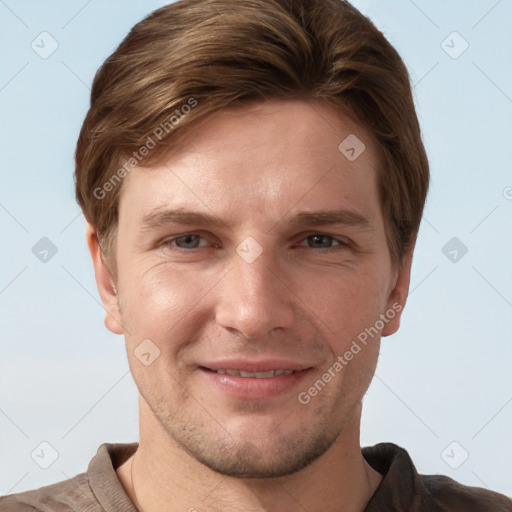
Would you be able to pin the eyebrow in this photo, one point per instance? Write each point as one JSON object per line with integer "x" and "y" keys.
{"x": 324, "y": 217}
{"x": 160, "y": 218}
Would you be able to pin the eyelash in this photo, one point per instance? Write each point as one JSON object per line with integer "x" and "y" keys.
{"x": 342, "y": 244}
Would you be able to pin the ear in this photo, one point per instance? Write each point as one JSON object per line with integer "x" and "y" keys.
{"x": 104, "y": 282}
{"x": 398, "y": 295}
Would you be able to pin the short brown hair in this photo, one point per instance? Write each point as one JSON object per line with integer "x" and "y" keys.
{"x": 194, "y": 57}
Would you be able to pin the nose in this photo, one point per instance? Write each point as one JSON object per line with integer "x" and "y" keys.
{"x": 253, "y": 298}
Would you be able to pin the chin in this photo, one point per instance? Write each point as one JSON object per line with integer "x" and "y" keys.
{"x": 266, "y": 458}
{"x": 256, "y": 447}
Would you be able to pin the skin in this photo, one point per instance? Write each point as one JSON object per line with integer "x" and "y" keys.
{"x": 197, "y": 300}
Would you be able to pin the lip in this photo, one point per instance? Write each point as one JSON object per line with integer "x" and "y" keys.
{"x": 254, "y": 388}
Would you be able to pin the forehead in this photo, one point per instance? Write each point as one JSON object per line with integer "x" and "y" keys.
{"x": 262, "y": 159}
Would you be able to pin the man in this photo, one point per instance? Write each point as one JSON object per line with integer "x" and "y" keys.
{"x": 253, "y": 178}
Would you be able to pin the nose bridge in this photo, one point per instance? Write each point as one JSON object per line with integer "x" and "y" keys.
{"x": 253, "y": 275}
{"x": 253, "y": 300}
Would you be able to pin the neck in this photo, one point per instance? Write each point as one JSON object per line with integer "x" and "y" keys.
{"x": 162, "y": 477}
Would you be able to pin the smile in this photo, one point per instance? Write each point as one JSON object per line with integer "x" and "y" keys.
{"x": 244, "y": 380}
{"x": 257, "y": 375}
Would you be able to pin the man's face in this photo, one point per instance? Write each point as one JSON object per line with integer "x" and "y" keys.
{"x": 267, "y": 284}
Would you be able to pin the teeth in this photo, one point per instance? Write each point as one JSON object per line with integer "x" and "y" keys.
{"x": 283, "y": 372}
{"x": 257, "y": 375}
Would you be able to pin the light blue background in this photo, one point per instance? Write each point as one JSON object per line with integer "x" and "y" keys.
{"x": 444, "y": 377}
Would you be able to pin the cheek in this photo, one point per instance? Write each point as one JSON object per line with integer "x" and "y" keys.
{"x": 353, "y": 337}
{"x": 160, "y": 310}
{"x": 158, "y": 304}
{"x": 346, "y": 301}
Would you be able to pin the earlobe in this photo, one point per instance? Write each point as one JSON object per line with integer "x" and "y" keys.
{"x": 104, "y": 282}
{"x": 398, "y": 296}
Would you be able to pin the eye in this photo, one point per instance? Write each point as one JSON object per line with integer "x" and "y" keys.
{"x": 321, "y": 241}
{"x": 191, "y": 241}
{"x": 188, "y": 241}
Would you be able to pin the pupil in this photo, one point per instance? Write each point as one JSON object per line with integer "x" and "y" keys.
{"x": 322, "y": 240}
{"x": 190, "y": 239}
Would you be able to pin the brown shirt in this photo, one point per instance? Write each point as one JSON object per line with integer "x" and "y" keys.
{"x": 402, "y": 489}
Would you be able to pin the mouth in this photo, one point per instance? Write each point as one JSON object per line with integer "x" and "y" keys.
{"x": 248, "y": 380}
